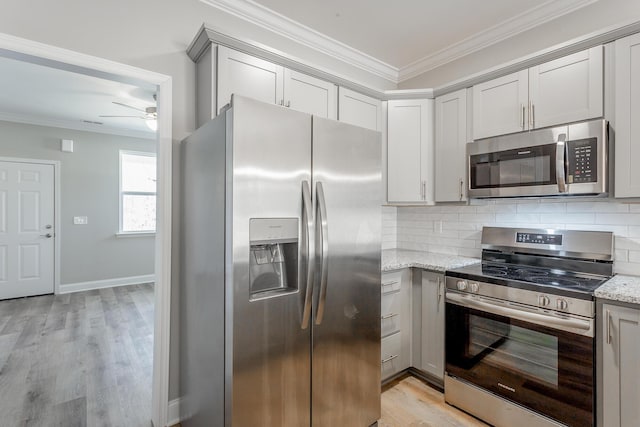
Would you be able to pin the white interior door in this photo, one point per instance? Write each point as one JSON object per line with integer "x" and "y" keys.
{"x": 26, "y": 229}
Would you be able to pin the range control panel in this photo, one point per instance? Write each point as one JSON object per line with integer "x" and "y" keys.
{"x": 582, "y": 161}
{"x": 542, "y": 239}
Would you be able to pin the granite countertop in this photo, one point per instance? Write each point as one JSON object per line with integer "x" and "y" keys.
{"x": 620, "y": 288}
{"x": 396, "y": 259}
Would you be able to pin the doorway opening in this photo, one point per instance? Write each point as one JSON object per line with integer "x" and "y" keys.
{"x": 75, "y": 159}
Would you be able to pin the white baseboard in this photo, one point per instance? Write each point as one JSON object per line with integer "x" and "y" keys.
{"x": 173, "y": 412}
{"x": 107, "y": 283}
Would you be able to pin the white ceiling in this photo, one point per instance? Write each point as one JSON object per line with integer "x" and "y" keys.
{"x": 38, "y": 94}
{"x": 398, "y": 39}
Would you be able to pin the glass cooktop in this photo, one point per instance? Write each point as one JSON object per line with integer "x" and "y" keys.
{"x": 511, "y": 274}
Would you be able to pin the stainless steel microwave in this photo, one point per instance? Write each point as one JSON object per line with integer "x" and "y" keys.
{"x": 563, "y": 160}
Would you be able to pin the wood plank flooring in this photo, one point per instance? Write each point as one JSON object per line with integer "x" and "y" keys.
{"x": 81, "y": 359}
{"x": 409, "y": 402}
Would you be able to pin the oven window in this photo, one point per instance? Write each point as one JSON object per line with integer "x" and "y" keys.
{"x": 528, "y": 353}
{"x": 514, "y": 168}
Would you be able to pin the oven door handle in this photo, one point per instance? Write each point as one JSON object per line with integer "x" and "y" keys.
{"x": 581, "y": 327}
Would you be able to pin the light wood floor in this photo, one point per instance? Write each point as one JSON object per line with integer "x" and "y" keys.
{"x": 409, "y": 402}
{"x": 81, "y": 359}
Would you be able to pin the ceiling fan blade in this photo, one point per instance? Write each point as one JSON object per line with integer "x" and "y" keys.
{"x": 134, "y": 117}
{"x": 129, "y": 106}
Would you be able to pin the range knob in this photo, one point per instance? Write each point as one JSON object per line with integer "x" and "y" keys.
{"x": 562, "y": 304}
{"x": 461, "y": 285}
{"x": 544, "y": 300}
{"x": 474, "y": 287}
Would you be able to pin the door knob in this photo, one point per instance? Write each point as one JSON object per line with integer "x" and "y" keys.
{"x": 48, "y": 235}
{"x": 48, "y": 227}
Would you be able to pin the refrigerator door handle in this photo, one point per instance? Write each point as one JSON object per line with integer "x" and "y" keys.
{"x": 322, "y": 221}
{"x": 307, "y": 208}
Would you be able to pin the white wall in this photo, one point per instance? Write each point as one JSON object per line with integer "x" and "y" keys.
{"x": 89, "y": 182}
{"x": 456, "y": 230}
{"x": 597, "y": 16}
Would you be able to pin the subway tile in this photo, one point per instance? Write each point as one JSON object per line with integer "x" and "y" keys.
{"x": 601, "y": 207}
{"x": 468, "y": 252}
{"x": 569, "y": 218}
{"x": 633, "y": 256}
{"x": 487, "y": 218}
{"x": 617, "y": 218}
{"x": 521, "y": 218}
{"x": 634, "y": 207}
{"x": 630, "y": 268}
{"x": 623, "y": 255}
{"x": 541, "y": 208}
{"x": 631, "y": 243}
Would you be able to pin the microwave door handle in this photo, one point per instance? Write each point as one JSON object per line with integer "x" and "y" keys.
{"x": 560, "y": 166}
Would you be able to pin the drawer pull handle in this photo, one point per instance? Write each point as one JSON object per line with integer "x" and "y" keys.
{"x": 389, "y": 359}
{"x": 389, "y": 316}
{"x": 395, "y": 282}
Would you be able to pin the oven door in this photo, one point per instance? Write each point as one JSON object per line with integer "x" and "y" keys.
{"x": 540, "y": 367}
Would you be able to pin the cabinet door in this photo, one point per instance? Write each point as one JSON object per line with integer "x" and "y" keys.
{"x": 358, "y": 109}
{"x": 568, "y": 89}
{"x": 310, "y": 95}
{"x": 410, "y": 151}
{"x": 248, "y": 76}
{"x": 499, "y": 105}
{"x": 627, "y": 112}
{"x": 620, "y": 366}
{"x": 450, "y": 152}
{"x": 433, "y": 324}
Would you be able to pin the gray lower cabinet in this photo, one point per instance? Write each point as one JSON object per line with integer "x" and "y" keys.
{"x": 395, "y": 322}
{"x": 619, "y": 392}
{"x": 432, "y": 325}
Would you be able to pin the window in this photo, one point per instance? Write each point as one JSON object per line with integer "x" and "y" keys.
{"x": 137, "y": 192}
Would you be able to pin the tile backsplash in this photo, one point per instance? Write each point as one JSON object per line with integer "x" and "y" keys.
{"x": 456, "y": 229}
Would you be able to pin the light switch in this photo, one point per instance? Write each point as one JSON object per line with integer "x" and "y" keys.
{"x": 80, "y": 220}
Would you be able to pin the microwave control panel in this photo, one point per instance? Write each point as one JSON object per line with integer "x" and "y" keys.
{"x": 582, "y": 161}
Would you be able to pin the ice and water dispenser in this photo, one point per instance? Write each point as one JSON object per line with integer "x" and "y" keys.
{"x": 273, "y": 258}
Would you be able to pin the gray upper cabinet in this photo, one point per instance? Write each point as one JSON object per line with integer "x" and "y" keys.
{"x": 627, "y": 112}
{"x": 249, "y": 76}
{"x": 450, "y": 143}
{"x": 499, "y": 105}
{"x": 222, "y": 71}
{"x": 620, "y": 394}
{"x": 310, "y": 94}
{"x": 568, "y": 89}
{"x": 358, "y": 109}
{"x": 410, "y": 151}
{"x": 564, "y": 90}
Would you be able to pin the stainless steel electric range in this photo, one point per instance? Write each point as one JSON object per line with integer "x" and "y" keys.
{"x": 520, "y": 327}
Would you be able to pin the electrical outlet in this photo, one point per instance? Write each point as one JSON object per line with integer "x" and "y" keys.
{"x": 80, "y": 220}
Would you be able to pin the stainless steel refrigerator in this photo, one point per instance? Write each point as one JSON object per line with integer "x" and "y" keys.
{"x": 280, "y": 271}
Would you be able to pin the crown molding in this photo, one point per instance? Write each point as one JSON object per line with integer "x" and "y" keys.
{"x": 263, "y": 17}
{"x": 292, "y": 30}
{"x": 74, "y": 125}
{"x": 525, "y": 21}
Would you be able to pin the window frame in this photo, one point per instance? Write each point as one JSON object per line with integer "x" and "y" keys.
{"x": 121, "y": 193}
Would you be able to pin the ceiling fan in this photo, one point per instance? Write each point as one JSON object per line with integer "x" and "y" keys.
{"x": 150, "y": 115}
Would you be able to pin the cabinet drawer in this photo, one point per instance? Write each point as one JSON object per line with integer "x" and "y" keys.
{"x": 391, "y": 282}
{"x": 390, "y": 317}
{"x": 390, "y": 354}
